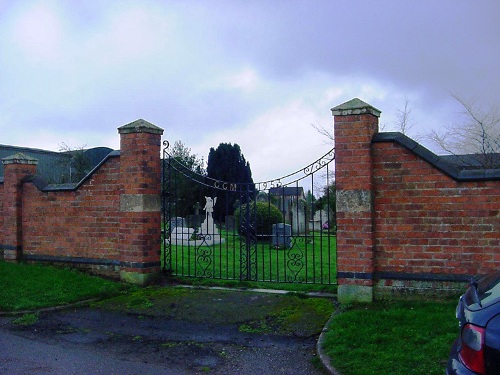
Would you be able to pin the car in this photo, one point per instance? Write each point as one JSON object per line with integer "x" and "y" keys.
{"x": 477, "y": 348}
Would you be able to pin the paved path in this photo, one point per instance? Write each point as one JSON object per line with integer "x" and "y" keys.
{"x": 98, "y": 341}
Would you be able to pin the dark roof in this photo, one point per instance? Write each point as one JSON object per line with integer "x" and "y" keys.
{"x": 53, "y": 167}
{"x": 459, "y": 167}
{"x": 41, "y": 184}
{"x": 474, "y": 161}
{"x": 288, "y": 191}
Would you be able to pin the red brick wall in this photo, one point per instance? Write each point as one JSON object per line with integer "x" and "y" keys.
{"x": 109, "y": 223}
{"x": 14, "y": 174}
{"x": 79, "y": 224}
{"x": 353, "y": 174}
{"x": 1, "y": 220}
{"x": 140, "y": 231}
{"x": 428, "y": 224}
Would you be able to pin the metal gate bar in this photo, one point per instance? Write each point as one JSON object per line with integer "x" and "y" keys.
{"x": 239, "y": 248}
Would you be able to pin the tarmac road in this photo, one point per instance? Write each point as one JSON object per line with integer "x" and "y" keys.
{"x": 100, "y": 341}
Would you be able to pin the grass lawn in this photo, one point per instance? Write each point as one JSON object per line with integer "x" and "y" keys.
{"x": 311, "y": 260}
{"x": 392, "y": 338}
{"x": 31, "y": 286}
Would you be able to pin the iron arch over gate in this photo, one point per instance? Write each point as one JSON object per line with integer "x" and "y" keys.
{"x": 282, "y": 230}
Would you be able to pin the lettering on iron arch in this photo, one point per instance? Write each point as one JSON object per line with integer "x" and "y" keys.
{"x": 225, "y": 186}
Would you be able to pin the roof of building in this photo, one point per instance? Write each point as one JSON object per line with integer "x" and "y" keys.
{"x": 288, "y": 191}
{"x": 53, "y": 167}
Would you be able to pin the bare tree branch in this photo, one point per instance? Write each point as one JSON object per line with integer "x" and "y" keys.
{"x": 404, "y": 121}
{"x": 404, "y": 124}
{"x": 479, "y": 134}
{"x": 79, "y": 164}
{"x": 328, "y": 133}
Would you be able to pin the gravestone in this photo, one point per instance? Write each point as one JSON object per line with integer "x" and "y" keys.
{"x": 282, "y": 236}
{"x": 194, "y": 221}
{"x": 230, "y": 223}
{"x": 181, "y": 235}
{"x": 176, "y": 222}
{"x": 319, "y": 219}
{"x": 208, "y": 230}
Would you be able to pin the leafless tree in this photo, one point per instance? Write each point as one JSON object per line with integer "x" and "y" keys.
{"x": 327, "y": 133}
{"x": 405, "y": 123}
{"x": 327, "y": 179}
{"x": 479, "y": 134}
{"x": 79, "y": 164}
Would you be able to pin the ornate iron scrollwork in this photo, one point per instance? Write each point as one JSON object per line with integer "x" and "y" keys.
{"x": 204, "y": 257}
{"x": 250, "y": 256}
{"x": 294, "y": 262}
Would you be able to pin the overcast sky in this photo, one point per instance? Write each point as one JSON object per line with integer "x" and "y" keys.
{"x": 255, "y": 73}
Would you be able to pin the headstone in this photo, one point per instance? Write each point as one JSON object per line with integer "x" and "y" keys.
{"x": 208, "y": 230}
{"x": 282, "y": 236}
{"x": 230, "y": 223}
{"x": 181, "y": 235}
{"x": 319, "y": 219}
{"x": 176, "y": 222}
{"x": 298, "y": 217}
{"x": 197, "y": 207}
{"x": 194, "y": 221}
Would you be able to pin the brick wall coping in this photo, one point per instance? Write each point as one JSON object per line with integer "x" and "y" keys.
{"x": 458, "y": 173}
{"x": 19, "y": 158}
{"x": 140, "y": 126}
{"x": 355, "y": 107}
{"x": 42, "y": 185}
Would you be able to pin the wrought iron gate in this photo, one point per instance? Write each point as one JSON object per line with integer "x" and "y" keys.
{"x": 277, "y": 231}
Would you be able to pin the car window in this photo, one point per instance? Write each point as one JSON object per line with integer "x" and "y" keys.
{"x": 488, "y": 289}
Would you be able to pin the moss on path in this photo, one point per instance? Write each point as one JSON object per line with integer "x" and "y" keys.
{"x": 288, "y": 314}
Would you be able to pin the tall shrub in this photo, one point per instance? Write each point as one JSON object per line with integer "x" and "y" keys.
{"x": 262, "y": 216}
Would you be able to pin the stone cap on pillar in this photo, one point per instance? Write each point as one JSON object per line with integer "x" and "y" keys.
{"x": 19, "y": 158}
{"x": 140, "y": 126}
{"x": 355, "y": 107}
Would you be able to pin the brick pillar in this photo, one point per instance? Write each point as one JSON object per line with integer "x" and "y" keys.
{"x": 140, "y": 202}
{"x": 355, "y": 123}
{"x": 16, "y": 168}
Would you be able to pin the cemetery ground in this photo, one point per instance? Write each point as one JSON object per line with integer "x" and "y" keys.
{"x": 310, "y": 263}
{"x": 173, "y": 329}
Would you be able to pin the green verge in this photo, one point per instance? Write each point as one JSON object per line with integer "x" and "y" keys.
{"x": 392, "y": 338}
{"x": 34, "y": 286}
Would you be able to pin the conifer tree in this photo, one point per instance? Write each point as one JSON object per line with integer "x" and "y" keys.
{"x": 226, "y": 163}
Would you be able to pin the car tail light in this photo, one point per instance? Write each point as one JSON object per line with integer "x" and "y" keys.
{"x": 472, "y": 350}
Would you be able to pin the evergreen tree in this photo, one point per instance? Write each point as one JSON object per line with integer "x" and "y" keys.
{"x": 226, "y": 163}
